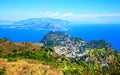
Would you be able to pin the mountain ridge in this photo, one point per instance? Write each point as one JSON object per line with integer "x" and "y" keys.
{"x": 43, "y": 24}
{"x": 70, "y": 46}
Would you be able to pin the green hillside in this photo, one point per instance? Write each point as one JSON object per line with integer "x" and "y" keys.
{"x": 28, "y": 58}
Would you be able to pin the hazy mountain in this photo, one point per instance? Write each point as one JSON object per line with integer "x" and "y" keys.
{"x": 42, "y": 24}
{"x": 6, "y": 22}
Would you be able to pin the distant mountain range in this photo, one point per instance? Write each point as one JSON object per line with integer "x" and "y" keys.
{"x": 41, "y": 24}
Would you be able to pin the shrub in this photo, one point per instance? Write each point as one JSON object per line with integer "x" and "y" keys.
{"x": 12, "y": 59}
{"x": 2, "y": 71}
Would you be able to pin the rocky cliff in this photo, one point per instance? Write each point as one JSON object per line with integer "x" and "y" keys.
{"x": 70, "y": 46}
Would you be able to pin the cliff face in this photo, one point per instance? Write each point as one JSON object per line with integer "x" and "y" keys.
{"x": 71, "y": 47}
{"x": 64, "y": 43}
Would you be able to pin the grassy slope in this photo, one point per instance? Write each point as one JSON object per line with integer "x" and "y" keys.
{"x": 23, "y": 67}
{"x": 35, "y": 59}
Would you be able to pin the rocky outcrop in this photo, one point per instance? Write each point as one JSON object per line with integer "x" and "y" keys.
{"x": 69, "y": 46}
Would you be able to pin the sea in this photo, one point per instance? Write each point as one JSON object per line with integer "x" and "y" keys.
{"x": 108, "y": 32}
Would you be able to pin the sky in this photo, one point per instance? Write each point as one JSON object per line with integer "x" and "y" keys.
{"x": 82, "y": 11}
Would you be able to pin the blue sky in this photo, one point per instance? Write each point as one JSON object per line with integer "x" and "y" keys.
{"x": 83, "y": 11}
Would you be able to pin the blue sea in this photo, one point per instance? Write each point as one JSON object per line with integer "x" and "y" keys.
{"x": 108, "y": 32}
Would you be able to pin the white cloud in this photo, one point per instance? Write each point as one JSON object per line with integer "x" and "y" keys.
{"x": 56, "y": 14}
{"x": 51, "y": 14}
{"x": 87, "y": 18}
{"x": 68, "y": 15}
{"x": 99, "y": 15}
{"x": 99, "y": 18}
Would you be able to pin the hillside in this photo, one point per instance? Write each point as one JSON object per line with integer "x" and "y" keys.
{"x": 72, "y": 47}
{"x": 26, "y": 67}
{"x": 98, "y": 44}
{"x": 28, "y": 58}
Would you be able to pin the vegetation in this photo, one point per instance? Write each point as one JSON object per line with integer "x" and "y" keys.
{"x": 2, "y": 71}
{"x": 98, "y": 44}
{"x": 12, "y": 59}
{"x": 96, "y": 62}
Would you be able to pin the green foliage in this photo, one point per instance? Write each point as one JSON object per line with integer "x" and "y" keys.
{"x": 51, "y": 43}
{"x": 46, "y": 55}
{"x": 2, "y": 71}
{"x": 0, "y": 53}
{"x": 3, "y": 39}
{"x": 76, "y": 70}
{"x": 91, "y": 67}
{"x": 49, "y": 49}
{"x": 67, "y": 72}
{"x": 37, "y": 56}
{"x": 12, "y": 59}
{"x": 99, "y": 44}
